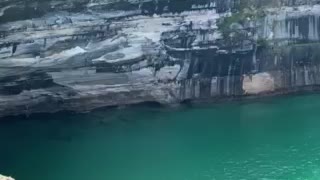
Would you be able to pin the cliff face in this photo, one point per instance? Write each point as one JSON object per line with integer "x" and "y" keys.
{"x": 83, "y": 54}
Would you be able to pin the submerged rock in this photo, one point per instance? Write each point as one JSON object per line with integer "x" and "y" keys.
{"x": 81, "y": 55}
{"x": 2, "y": 177}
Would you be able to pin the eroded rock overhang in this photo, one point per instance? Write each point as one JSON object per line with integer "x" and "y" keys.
{"x": 82, "y": 55}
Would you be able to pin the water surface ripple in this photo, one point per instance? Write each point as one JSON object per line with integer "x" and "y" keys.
{"x": 271, "y": 139}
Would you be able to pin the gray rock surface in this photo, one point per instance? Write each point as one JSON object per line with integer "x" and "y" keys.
{"x": 79, "y": 55}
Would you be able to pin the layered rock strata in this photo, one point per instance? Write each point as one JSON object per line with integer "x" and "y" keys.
{"x": 81, "y": 55}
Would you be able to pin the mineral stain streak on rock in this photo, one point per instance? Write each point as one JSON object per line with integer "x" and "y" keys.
{"x": 81, "y": 55}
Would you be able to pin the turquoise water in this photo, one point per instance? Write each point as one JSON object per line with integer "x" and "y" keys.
{"x": 270, "y": 139}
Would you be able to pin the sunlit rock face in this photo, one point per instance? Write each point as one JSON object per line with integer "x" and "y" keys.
{"x": 79, "y": 55}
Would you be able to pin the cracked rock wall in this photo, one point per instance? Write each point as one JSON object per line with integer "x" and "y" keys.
{"x": 79, "y": 55}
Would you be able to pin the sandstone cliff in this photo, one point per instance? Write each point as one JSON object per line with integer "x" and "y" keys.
{"x": 79, "y": 55}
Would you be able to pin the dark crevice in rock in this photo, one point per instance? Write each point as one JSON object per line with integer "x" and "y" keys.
{"x": 15, "y": 84}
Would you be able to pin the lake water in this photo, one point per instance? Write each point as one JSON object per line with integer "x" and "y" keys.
{"x": 269, "y": 139}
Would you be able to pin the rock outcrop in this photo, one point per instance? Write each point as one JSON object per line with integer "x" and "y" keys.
{"x": 78, "y": 55}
